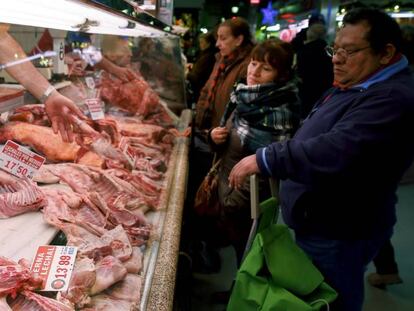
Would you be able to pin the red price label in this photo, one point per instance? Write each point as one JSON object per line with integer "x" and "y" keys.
{"x": 19, "y": 160}
{"x": 95, "y": 108}
{"x": 54, "y": 264}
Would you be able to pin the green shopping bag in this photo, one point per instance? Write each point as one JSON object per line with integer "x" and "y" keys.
{"x": 276, "y": 274}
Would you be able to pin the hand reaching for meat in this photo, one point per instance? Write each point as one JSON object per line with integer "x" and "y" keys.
{"x": 62, "y": 112}
{"x": 124, "y": 74}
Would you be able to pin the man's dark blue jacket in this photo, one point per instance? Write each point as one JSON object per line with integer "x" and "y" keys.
{"x": 341, "y": 170}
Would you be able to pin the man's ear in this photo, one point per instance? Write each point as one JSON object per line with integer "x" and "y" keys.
{"x": 387, "y": 54}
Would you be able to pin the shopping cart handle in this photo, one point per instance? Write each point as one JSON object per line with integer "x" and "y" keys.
{"x": 254, "y": 197}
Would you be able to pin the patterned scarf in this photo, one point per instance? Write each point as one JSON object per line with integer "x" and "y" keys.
{"x": 224, "y": 63}
{"x": 264, "y": 113}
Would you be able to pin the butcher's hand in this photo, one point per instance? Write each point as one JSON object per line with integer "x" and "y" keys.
{"x": 244, "y": 168}
{"x": 63, "y": 113}
{"x": 219, "y": 135}
{"x": 123, "y": 73}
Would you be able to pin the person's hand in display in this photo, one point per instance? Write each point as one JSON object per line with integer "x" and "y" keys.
{"x": 63, "y": 113}
{"x": 123, "y": 73}
{"x": 244, "y": 168}
{"x": 219, "y": 135}
{"x": 76, "y": 66}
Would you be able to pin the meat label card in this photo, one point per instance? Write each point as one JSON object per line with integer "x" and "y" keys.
{"x": 19, "y": 160}
{"x": 95, "y": 108}
{"x": 54, "y": 264}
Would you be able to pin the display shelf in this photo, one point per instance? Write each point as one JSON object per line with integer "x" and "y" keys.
{"x": 21, "y": 235}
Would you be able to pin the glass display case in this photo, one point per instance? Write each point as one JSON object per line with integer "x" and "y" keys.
{"x": 106, "y": 193}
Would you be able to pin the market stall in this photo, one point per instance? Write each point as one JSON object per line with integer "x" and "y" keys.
{"x": 117, "y": 196}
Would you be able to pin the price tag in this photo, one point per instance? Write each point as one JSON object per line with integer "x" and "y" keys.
{"x": 54, "y": 264}
{"x": 19, "y": 160}
{"x": 130, "y": 154}
{"x": 95, "y": 108}
{"x": 90, "y": 82}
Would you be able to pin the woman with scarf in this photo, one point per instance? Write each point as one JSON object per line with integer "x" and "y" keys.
{"x": 234, "y": 42}
{"x": 263, "y": 109}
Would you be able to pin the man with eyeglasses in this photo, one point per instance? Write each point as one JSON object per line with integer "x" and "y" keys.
{"x": 341, "y": 170}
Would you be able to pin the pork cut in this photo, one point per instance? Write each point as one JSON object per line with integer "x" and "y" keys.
{"x": 40, "y": 138}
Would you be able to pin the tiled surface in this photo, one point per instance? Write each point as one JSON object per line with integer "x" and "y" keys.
{"x": 394, "y": 298}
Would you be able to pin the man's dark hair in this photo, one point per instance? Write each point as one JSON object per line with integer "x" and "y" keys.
{"x": 383, "y": 28}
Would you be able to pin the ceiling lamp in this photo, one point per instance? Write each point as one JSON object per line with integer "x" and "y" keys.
{"x": 72, "y": 15}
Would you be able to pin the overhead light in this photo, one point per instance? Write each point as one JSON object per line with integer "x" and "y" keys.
{"x": 339, "y": 18}
{"x": 403, "y": 15}
{"x": 68, "y": 15}
{"x": 396, "y": 8}
{"x": 204, "y": 30}
{"x": 234, "y": 9}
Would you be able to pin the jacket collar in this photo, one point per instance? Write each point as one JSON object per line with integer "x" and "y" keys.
{"x": 384, "y": 74}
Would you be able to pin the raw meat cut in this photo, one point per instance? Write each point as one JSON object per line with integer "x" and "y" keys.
{"x": 15, "y": 277}
{"x": 134, "y": 264}
{"x": 128, "y": 289}
{"x": 35, "y": 114}
{"x": 89, "y": 245}
{"x": 119, "y": 243}
{"x": 82, "y": 280}
{"x": 30, "y": 301}
{"x": 54, "y": 148}
{"x": 18, "y": 196}
{"x": 109, "y": 270}
{"x": 107, "y": 303}
{"x": 67, "y": 206}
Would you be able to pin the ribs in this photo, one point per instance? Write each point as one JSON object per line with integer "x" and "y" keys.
{"x": 18, "y": 196}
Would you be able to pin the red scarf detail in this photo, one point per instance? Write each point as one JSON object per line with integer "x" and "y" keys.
{"x": 224, "y": 63}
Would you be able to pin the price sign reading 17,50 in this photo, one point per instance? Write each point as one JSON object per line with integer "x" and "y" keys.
{"x": 54, "y": 264}
{"x": 19, "y": 160}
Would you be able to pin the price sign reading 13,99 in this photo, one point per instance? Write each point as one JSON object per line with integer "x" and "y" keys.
{"x": 54, "y": 264}
{"x": 19, "y": 161}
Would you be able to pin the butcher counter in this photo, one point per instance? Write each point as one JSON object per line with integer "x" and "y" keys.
{"x": 21, "y": 235}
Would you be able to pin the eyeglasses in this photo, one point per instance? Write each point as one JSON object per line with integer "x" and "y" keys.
{"x": 344, "y": 53}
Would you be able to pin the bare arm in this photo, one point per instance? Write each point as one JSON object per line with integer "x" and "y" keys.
{"x": 62, "y": 111}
